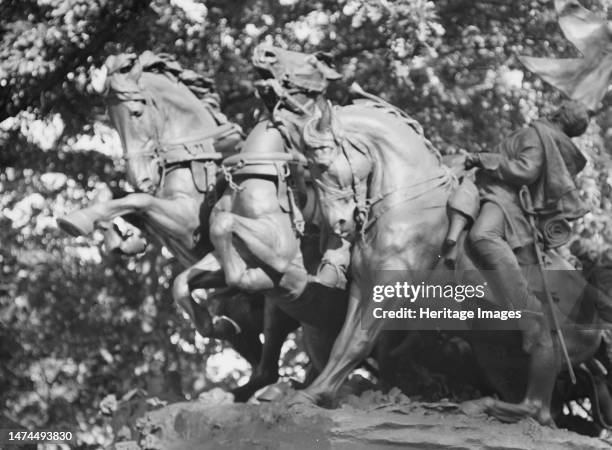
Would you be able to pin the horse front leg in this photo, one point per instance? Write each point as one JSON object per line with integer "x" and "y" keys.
{"x": 205, "y": 274}
{"x": 82, "y": 222}
{"x": 171, "y": 215}
{"x": 271, "y": 243}
{"x": 237, "y": 272}
{"x": 354, "y": 343}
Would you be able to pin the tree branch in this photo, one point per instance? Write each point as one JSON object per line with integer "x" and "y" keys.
{"x": 113, "y": 23}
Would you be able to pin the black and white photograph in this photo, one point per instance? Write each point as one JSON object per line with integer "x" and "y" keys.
{"x": 294, "y": 225}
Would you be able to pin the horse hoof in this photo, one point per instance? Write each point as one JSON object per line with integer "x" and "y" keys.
{"x": 546, "y": 420}
{"x": 297, "y": 385}
{"x": 273, "y": 393}
{"x": 242, "y": 394}
{"x": 475, "y": 408}
{"x": 302, "y": 398}
{"x": 76, "y": 224}
{"x": 133, "y": 246}
{"x": 225, "y": 328}
{"x": 216, "y": 396}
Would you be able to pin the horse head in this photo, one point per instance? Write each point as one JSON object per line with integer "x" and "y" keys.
{"x": 340, "y": 173}
{"x": 152, "y": 106}
{"x": 293, "y": 87}
{"x": 292, "y": 77}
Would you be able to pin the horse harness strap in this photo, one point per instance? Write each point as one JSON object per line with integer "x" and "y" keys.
{"x": 199, "y": 151}
{"x": 360, "y": 196}
{"x": 195, "y": 147}
{"x": 271, "y": 164}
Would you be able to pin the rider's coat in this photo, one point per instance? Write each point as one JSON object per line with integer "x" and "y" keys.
{"x": 543, "y": 158}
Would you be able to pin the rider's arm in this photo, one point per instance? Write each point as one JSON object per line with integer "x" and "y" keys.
{"x": 523, "y": 169}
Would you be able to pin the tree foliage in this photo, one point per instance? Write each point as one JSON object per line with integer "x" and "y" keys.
{"x": 76, "y": 325}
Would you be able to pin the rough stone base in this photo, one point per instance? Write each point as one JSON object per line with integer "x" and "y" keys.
{"x": 370, "y": 421}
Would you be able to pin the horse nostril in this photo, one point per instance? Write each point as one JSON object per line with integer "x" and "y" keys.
{"x": 339, "y": 227}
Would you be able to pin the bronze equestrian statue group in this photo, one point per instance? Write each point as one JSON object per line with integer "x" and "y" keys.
{"x": 295, "y": 224}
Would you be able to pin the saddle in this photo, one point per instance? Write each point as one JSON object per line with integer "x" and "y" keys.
{"x": 203, "y": 154}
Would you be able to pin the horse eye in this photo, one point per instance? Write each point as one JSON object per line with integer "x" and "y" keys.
{"x": 270, "y": 55}
{"x": 137, "y": 112}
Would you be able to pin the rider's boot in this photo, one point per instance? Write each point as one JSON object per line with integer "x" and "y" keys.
{"x": 533, "y": 325}
{"x": 458, "y": 223}
{"x": 506, "y": 281}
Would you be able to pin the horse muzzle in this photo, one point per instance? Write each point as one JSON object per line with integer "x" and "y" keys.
{"x": 344, "y": 228}
{"x": 146, "y": 185}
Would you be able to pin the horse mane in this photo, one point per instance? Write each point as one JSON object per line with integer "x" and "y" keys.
{"x": 125, "y": 70}
{"x": 400, "y": 115}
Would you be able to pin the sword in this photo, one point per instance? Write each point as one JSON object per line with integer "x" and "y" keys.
{"x": 525, "y": 199}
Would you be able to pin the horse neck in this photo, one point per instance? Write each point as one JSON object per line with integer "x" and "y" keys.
{"x": 181, "y": 124}
{"x": 182, "y": 114}
{"x": 400, "y": 156}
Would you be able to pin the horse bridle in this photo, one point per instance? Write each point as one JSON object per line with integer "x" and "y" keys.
{"x": 163, "y": 149}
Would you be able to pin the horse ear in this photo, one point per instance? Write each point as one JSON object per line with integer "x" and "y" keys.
{"x": 325, "y": 57}
{"x": 98, "y": 79}
{"x": 325, "y": 65}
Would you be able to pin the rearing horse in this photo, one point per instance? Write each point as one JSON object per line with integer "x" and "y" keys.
{"x": 264, "y": 230}
{"x": 173, "y": 135}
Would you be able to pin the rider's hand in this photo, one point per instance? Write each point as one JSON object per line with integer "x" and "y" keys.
{"x": 472, "y": 160}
